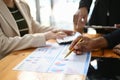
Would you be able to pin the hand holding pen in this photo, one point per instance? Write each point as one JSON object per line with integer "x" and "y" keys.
{"x": 80, "y": 40}
{"x": 79, "y": 22}
{"x": 77, "y": 28}
{"x": 85, "y": 45}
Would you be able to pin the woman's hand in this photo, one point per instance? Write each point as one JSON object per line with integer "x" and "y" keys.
{"x": 57, "y": 34}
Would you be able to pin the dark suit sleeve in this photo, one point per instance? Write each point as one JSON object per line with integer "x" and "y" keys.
{"x": 85, "y": 3}
{"x": 113, "y": 38}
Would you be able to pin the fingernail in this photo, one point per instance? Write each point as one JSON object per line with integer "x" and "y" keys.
{"x": 76, "y": 47}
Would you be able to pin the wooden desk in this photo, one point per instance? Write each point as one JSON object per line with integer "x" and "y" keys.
{"x": 106, "y": 53}
{"x": 14, "y": 58}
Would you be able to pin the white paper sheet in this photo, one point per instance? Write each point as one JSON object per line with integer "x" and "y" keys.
{"x": 51, "y": 59}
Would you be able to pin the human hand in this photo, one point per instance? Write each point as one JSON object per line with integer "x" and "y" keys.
{"x": 68, "y": 32}
{"x": 80, "y": 19}
{"x": 86, "y": 45}
{"x": 57, "y": 34}
{"x": 117, "y": 25}
{"x": 116, "y": 49}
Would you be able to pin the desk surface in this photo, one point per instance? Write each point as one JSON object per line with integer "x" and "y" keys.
{"x": 14, "y": 58}
{"x": 10, "y": 61}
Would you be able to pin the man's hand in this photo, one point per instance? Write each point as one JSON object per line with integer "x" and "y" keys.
{"x": 80, "y": 19}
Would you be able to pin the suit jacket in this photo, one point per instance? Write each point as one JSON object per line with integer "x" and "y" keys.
{"x": 113, "y": 38}
{"x": 102, "y": 9}
{"x": 10, "y": 39}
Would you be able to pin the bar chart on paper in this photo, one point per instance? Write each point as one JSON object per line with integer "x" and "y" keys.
{"x": 51, "y": 59}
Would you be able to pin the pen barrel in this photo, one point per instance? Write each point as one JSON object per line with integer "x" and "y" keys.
{"x": 80, "y": 40}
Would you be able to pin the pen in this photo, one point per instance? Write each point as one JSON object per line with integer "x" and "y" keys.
{"x": 80, "y": 40}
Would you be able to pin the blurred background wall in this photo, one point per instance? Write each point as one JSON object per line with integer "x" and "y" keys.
{"x": 54, "y": 12}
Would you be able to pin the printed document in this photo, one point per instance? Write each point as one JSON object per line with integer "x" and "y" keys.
{"x": 50, "y": 58}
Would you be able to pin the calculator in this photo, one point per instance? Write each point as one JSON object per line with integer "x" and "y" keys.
{"x": 68, "y": 39}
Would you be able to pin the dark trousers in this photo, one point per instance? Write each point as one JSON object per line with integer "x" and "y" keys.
{"x": 108, "y": 69}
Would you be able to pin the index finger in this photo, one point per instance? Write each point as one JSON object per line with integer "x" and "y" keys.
{"x": 74, "y": 42}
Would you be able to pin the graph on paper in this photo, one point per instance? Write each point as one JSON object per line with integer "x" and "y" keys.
{"x": 51, "y": 59}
